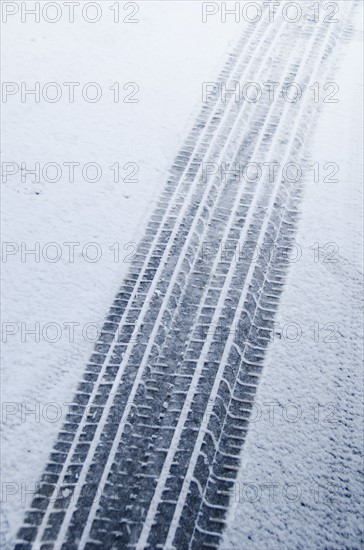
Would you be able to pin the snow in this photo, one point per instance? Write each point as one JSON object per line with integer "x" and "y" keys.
{"x": 308, "y": 447}
{"x": 169, "y": 70}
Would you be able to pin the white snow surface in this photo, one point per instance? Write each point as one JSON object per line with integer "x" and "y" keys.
{"x": 300, "y": 485}
{"x": 169, "y": 53}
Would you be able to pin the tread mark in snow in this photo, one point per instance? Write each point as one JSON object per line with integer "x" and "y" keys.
{"x": 153, "y": 461}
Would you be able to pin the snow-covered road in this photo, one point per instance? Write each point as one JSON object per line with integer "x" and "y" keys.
{"x": 148, "y": 451}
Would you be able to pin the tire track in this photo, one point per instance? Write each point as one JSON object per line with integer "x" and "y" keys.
{"x": 102, "y": 361}
{"x": 246, "y": 379}
{"x": 160, "y": 469}
{"x": 127, "y": 443}
{"x": 167, "y": 291}
{"x": 193, "y": 392}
